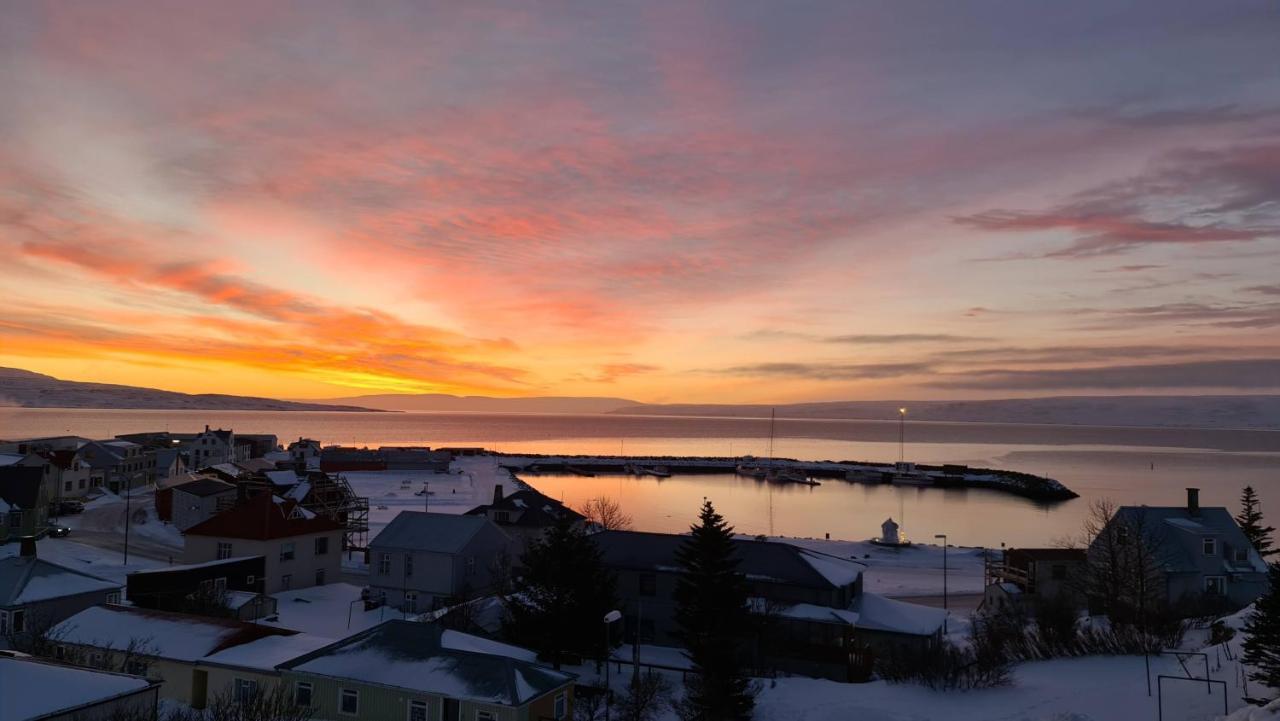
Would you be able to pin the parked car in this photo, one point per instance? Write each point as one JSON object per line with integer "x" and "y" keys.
{"x": 57, "y": 531}
{"x": 69, "y": 508}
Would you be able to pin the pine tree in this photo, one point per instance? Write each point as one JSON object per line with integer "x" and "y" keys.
{"x": 1262, "y": 634}
{"x": 1250, "y": 520}
{"x": 713, "y": 621}
{"x": 565, "y": 595}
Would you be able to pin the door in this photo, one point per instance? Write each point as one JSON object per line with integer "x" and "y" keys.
{"x": 452, "y": 710}
{"x": 199, "y": 688}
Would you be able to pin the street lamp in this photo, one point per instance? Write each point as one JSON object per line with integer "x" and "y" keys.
{"x": 943, "y": 536}
{"x": 902, "y": 434}
{"x": 609, "y": 619}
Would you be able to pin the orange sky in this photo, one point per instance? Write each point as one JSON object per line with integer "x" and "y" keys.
{"x": 649, "y": 201}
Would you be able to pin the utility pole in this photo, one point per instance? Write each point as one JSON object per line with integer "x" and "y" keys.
{"x": 902, "y": 434}
{"x": 126, "y": 520}
{"x": 943, "y": 536}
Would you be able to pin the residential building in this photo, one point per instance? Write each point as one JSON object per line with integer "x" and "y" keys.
{"x": 260, "y": 444}
{"x": 198, "y": 500}
{"x": 414, "y": 458}
{"x": 38, "y": 690}
{"x": 525, "y": 514}
{"x": 422, "y": 558}
{"x": 305, "y": 453}
{"x": 70, "y": 474}
{"x": 1200, "y": 552}
{"x": 1021, "y": 578}
{"x": 237, "y": 582}
{"x": 211, "y": 447}
{"x": 171, "y": 465}
{"x": 344, "y": 458}
{"x": 24, "y": 503}
{"x": 822, "y": 622}
{"x": 117, "y": 464}
{"x": 35, "y": 593}
{"x": 301, "y": 548}
{"x": 196, "y": 657}
{"x": 420, "y": 671}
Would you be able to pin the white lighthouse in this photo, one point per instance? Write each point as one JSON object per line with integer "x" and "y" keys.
{"x": 889, "y": 533}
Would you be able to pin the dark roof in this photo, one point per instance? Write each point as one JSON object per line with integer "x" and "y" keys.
{"x": 20, "y": 485}
{"x": 435, "y": 532}
{"x": 530, "y": 508}
{"x": 763, "y": 561}
{"x": 1047, "y": 554}
{"x": 204, "y": 487}
{"x": 262, "y": 518}
{"x": 425, "y": 658}
{"x": 1178, "y": 534}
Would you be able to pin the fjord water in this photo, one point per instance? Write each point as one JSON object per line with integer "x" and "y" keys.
{"x": 1129, "y": 465}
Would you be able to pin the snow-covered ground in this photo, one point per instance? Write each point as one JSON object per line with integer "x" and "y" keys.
{"x": 107, "y": 512}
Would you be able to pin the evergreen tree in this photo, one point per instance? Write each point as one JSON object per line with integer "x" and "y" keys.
{"x": 565, "y": 595}
{"x": 1250, "y": 520}
{"x": 713, "y": 621}
{"x": 1262, "y": 634}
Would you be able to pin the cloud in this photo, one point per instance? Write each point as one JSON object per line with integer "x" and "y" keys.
{"x": 1233, "y": 374}
{"x": 611, "y": 372}
{"x": 826, "y": 371}
{"x": 1264, "y": 289}
{"x": 896, "y": 338}
{"x": 1222, "y": 315}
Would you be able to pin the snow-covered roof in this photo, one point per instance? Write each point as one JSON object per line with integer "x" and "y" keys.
{"x": 8, "y": 459}
{"x": 423, "y": 658}
{"x": 266, "y": 653}
{"x": 877, "y": 613}
{"x": 31, "y": 689}
{"x": 25, "y": 580}
{"x": 281, "y": 478}
{"x": 174, "y": 636}
{"x": 432, "y": 532}
{"x": 839, "y": 571}
{"x": 806, "y": 612}
{"x": 299, "y": 491}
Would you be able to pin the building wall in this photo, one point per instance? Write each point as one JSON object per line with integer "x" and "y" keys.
{"x": 382, "y": 703}
{"x": 141, "y": 703}
{"x": 441, "y": 575}
{"x": 56, "y": 610}
{"x": 302, "y": 568}
{"x": 221, "y": 679}
{"x": 190, "y": 509}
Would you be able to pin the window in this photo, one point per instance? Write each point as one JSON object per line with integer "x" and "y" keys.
{"x": 302, "y": 694}
{"x": 1058, "y": 571}
{"x": 286, "y": 581}
{"x": 322, "y": 545}
{"x": 1215, "y": 585}
{"x": 483, "y": 715}
{"x": 4, "y": 622}
{"x": 349, "y": 701}
{"x": 384, "y": 564}
{"x": 408, "y": 565}
{"x": 113, "y": 597}
{"x": 81, "y": 483}
{"x": 224, "y": 550}
{"x": 250, "y": 579}
{"x": 411, "y": 602}
{"x": 502, "y": 516}
{"x": 287, "y": 551}
{"x": 18, "y": 621}
{"x": 66, "y": 486}
{"x": 1241, "y": 555}
{"x": 1210, "y": 546}
{"x": 471, "y": 565}
{"x": 417, "y": 711}
{"x": 220, "y": 585}
{"x": 319, "y": 576}
{"x": 562, "y": 706}
{"x": 648, "y": 584}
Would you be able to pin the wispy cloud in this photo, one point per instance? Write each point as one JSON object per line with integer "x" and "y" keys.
{"x": 826, "y": 371}
{"x": 1230, "y": 374}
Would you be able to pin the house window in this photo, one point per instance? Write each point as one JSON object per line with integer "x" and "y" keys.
{"x": 302, "y": 694}
{"x": 471, "y": 565}
{"x": 1058, "y": 571}
{"x": 220, "y": 585}
{"x": 4, "y": 622}
{"x": 1215, "y": 585}
{"x": 113, "y": 597}
{"x": 562, "y": 705}
{"x": 1210, "y": 546}
{"x": 320, "y": 576}
{"x": 417, "y": 711}
{"x": 1241, "y": 555}
{"x": 224, "y": 550}
{"x": 18, "y": 621}
{"x": 648, "y": 584}
{"x": 250, "y": 579}
{"x": 66, "y": 486}
{"x": 286, "y": 581}
{"x": 82, "y": 484}
{"x": 287, "y": 551}
{"x": 245, "y": 690}
{"x": 408, "y": 565}
{"x": 322, "y": 545}
{"x": 411, "y": 602}
{"x": 349, "y": 701}
{"x": 502, "y": 516}
{"x": 384, "y": 564}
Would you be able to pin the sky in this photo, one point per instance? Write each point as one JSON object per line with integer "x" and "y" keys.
{"x": 664, "y": 201}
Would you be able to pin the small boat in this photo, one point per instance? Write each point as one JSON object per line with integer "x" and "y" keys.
{"x": 656, "y": 471}
{"x": 750, "y": 471}
{"x": 905, "y": 474}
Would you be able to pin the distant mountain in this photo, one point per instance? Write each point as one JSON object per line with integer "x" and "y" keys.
{"x": 1151, "y": 411}
{"x": 34, "y": 390}
{"x": 484, "y": 404}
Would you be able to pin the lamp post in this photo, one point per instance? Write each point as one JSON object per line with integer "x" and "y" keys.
{"x": 943, "y": 536}
{"x": 609, "y": 619}
{"x": 902, "y": 434}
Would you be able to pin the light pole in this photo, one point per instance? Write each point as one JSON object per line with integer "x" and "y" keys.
{"x": 609, "y": 619}
{"x": 902, "y": 435}
{"x": 943, "y": 536}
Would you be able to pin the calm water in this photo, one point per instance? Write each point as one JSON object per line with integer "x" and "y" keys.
{"x": 1129, "y": 465}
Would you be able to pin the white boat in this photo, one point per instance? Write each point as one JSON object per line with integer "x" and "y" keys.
{"x": 905, "y": 474}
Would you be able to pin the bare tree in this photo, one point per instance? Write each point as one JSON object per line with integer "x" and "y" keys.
{"x": 272, "y": 703}
{"x": 606, "y": 514}
{"x": 646, "y": 698}
{"x": 1123, "y": 575}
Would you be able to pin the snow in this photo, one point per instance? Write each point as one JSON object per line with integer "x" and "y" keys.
{"x": 437, "y": 675}
{"x": 524, "y": 689}
{"x": 838, "y": 571}
{"x": 9, "y": 459}
{"x": 29, "y": 689}
{"x": 180, "y": 639}
{"x": 323, "y": 610}
{"x": 282, "y": 478}
{"x": 47, "y": 583}
{"x": 458, "y": 641}
{"x": 877, "y": 613}
{"x": 1270, "y": 712}
{"x": 807, "y": 612}
{"x": 95, "y": 561}
{"x": 911, "y": 571}
{"x": 266, "y": 653}
{"x": 298, "y": 492}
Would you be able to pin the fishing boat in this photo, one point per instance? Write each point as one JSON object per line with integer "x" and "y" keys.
{"x": 905, "y": 474}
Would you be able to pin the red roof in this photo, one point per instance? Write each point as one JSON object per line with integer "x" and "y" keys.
{"x": 263, "y": 518}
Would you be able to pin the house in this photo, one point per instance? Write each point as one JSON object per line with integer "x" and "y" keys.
{"x": 24, "y": 505}
{"x": 192, "y": 655}
{"x": 525, "y": 514}
{"x": 35, "y": 593}
{"x": 171, "y": 465}
{"x": 1024, "y": 577}
{"x": 236, "y": 582}
{"x": 199, "y": 500}
{"x": 420, "y": 671}
{"x": 821, "y": 619}
{"x": 38, "y": 690}
{"x": 301, "y": 548}
{"x": 345, "y": 458}
{"x": 305, "y": 452}
{"x": 1200, "y": 552}
{"x": 260, "y": 444}
{"x": 414, "y": 458}
{"x": 118, "y": 464}
{"x": 422, "y": 558}
{"x": 211, "y": 447}
{"x": 70, "y": 474}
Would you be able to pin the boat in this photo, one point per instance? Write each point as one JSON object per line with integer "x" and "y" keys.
{"x": 790, "y": 475}
{"x": 656, "y": 471}
{"x": 751, "y": 471}
{"x": 905, "y": 474}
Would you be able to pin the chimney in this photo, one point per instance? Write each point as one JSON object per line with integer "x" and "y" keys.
{"x": 1193, "y": 501}
{"x": 28, "y": 548}
{"x": 497, "y": 493}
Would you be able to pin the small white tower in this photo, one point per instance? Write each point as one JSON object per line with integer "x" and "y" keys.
{"x": 889, "y": 532}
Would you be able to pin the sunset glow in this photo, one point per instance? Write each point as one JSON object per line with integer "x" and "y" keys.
{"x": 745, "y": 203}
